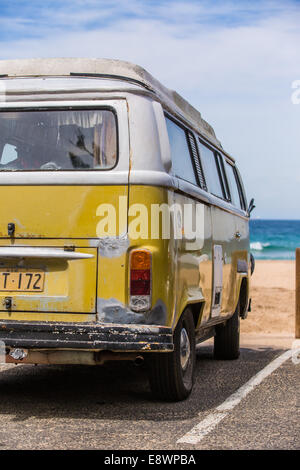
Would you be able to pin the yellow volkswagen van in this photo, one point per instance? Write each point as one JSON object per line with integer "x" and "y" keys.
{"x": 124, "y": 224}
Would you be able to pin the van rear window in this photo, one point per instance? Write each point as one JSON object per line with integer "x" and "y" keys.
{"x": 58, "y": 140}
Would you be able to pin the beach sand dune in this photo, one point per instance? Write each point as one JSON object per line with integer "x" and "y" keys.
{"x": 273, "y": 299}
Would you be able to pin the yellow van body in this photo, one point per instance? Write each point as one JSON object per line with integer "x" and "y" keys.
{"x": 73, "y": 302}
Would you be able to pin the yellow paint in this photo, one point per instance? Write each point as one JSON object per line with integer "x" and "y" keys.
{"x": 163, "y": 251}
{"x": 182, "y": 273}
{"x": 68, "y": 216}
{"x": 69, "y": 286}
{"x": 50, "y": 317}
{"x": 60, "y": 216}
{"x": 67, "y": 212}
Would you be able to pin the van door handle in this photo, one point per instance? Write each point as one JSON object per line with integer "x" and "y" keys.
{"x": 237, "y": 235}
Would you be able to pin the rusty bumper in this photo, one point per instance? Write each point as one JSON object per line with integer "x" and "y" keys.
{"x": 91, "y": 336}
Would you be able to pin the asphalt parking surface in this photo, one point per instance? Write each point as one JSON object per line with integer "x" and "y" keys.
{"x": 111, "y": 407}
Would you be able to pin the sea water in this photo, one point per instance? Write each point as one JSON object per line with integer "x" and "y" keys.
{"x": 274, "y": 239}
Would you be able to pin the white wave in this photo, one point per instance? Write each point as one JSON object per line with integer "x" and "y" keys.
{"x": 258, "y": 246}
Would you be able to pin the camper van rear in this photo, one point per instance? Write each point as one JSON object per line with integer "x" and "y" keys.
{"x": 124, "y": 230}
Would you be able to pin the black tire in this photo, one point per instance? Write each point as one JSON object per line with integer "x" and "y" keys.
{"x": 171, "y": 376}
{"x": 227, "y": 338}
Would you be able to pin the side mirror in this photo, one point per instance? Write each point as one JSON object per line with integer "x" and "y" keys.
{"x": 251, "y": 206}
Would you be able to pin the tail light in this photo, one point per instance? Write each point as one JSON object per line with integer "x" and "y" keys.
{"x": 140, "y": 280}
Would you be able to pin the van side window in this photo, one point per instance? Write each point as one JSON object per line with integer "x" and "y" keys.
{"x": 241, "y": 190}
{"x": 234, "y": 190}
{"x": 182, "y": 165}
{"x": 211, "y": 171}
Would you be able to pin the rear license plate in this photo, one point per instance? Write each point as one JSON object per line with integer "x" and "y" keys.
{"x": 22, "y": 280}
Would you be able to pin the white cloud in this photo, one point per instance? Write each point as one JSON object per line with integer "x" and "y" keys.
{"x": 234, "y": 61}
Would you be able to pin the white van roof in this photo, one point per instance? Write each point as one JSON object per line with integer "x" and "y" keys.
{"x": 112, "y": 69}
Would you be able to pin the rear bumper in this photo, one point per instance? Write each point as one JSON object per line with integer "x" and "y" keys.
{"x": 88, "y": 336}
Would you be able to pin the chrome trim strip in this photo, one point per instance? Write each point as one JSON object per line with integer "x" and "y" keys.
{"x": 192, "y": 191}
{"x": 38, "y": 252}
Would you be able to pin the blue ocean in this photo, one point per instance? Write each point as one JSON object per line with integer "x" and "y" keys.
{"x": 274, "y": 239}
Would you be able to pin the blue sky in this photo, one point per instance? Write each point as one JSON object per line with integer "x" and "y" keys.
{"x": 235, "y": 61}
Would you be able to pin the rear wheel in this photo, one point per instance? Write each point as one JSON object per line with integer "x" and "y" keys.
{"x": 171, "y": 375}
{"x": 227, "y": 338}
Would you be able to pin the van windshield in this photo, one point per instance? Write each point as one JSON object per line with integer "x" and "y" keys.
{"x": 58, "y": 140}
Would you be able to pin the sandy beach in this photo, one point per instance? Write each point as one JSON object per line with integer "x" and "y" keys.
{"x": 273, "y": 299}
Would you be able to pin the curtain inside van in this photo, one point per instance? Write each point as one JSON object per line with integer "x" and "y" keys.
{"x": 58, "y": 140}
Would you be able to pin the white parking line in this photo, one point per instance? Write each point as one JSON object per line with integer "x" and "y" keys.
{"x": 197, "y": 433}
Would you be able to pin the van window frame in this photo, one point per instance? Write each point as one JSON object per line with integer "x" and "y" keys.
{"x": 223, "y": 176}
{"x": 238, "y": 184}
{"x": 198, "y": 137}
{"x": 219, "y": 170}
{"x": 186, "y": 131}
{"x": 67, "y": 108}
{"x": 241, "y": 189}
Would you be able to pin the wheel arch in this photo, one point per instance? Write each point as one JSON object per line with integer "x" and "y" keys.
{"x": 243, "y": 296}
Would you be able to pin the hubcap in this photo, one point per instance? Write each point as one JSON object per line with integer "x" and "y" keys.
{"x": 185, "y": 349}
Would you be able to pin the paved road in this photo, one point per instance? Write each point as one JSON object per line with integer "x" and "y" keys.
{"x": 75, "y": 407}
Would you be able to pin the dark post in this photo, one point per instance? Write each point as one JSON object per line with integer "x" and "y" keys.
{"x": 297, "y": 317}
